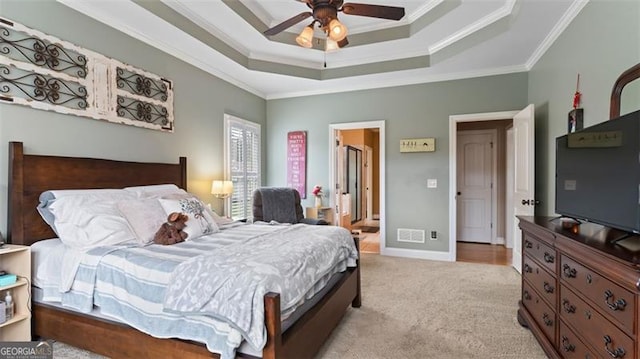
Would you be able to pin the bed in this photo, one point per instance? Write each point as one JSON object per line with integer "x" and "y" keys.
{"x": 30, "y": 175}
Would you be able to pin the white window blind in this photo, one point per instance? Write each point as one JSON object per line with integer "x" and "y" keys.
{"x": 242, "y": 164}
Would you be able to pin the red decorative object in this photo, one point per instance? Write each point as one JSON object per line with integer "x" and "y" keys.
{"x": 297, "y": 161}
{"x": 577, "y": 95}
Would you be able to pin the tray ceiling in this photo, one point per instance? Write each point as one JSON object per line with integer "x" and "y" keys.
{"x": 436, "y": 40}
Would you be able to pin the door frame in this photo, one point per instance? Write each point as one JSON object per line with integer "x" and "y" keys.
{"x": 494, "y": 178}
{"x": 368, "y": 182}
{"x": 380, "y": 125}
{"x": 453, "y": 165}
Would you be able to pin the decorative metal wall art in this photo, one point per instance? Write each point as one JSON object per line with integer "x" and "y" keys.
{"x": 37, "y": 87}
{"x": 43, "y": 72}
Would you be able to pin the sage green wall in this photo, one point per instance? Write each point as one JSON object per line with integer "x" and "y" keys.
{"x": 199, "y": 106}
{"x": 599, "y": 44}
{"x": 408, "y": 111}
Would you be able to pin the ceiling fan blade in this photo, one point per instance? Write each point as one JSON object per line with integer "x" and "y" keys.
{"x": 287, "y": 24}
{"x": 379, "y": 11}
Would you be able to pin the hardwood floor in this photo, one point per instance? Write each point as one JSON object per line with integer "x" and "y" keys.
{"x": 466, "y": 252}
{"x": 483, "y": 253}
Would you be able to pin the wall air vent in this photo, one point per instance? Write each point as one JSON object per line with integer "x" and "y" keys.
{"x": 410, "y": 235}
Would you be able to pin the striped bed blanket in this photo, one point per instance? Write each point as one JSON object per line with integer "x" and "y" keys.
{"x": 157, "y": 289}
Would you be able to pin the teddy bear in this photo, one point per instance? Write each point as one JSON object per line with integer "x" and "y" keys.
{"x": 171, "y": 232}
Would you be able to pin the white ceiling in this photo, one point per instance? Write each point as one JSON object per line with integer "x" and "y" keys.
{"x": 436, "y": 40}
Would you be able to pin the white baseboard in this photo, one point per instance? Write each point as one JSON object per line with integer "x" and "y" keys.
{"x": 414, "y": 253}
{"x": 500, "y": 240}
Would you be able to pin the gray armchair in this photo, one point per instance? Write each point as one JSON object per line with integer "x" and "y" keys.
{"x": 280, "y": 204}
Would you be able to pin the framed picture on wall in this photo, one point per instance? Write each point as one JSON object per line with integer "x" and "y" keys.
{"x": 575, "y": 120}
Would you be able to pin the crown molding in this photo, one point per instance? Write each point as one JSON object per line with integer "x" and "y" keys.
{"x": 117, "y": 21}
{"x": 558, "y": 29}
{"x": 505, "y": 10}
{"x": 404, "y": 81}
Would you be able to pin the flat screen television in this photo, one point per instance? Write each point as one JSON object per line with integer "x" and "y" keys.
{"x": 598, "y": 173}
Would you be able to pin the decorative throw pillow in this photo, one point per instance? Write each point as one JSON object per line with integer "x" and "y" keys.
{"x": 200, "y": 222}
{"x": 145, "y": 216}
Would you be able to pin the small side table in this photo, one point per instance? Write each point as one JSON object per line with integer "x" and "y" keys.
{"x": 325, "y": 213}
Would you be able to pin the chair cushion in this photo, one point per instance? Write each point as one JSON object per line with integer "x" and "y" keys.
{"x": 280, "y": 204}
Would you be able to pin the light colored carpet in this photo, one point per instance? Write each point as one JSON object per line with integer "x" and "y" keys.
{"x": 414, "y": 308}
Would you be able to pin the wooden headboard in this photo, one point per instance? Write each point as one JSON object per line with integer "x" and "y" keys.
{"x": 30, "y": 175}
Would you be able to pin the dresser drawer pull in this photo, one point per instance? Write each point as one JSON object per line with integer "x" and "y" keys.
{"x": 526, "y": 295}
{"x": 566, "y": 346}
{"x": 617, "y": 305}
{"x": 568, "y": 271}
{"x": 548, "y": 287}
{"x": 549, "y": 258}
{"x": 568, "y": 307}
{"x": 527, "y": 268}
{"x": 589, "y": 279}
{"x": 616, "y": 353}
{"x": 528, "y": 244}
{"x": 547, "y": 321}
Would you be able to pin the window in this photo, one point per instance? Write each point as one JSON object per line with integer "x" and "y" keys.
{"x": 242, "y": 164}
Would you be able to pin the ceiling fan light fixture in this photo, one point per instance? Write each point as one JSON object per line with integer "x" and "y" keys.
{"x": 337, "y": 31}
{"x": 305, "y": 39}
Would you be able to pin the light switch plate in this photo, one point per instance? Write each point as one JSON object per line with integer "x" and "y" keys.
{"x": 418, "y": 144}
{"x": 432, "y": 183}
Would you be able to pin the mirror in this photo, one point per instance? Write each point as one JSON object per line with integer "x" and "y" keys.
{"x": 353, "y": 178}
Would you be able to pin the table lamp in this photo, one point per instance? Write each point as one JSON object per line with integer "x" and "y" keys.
{"x": 222, "y": 189}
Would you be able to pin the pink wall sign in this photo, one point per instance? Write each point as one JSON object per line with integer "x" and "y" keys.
{"x": 297, "y": 161}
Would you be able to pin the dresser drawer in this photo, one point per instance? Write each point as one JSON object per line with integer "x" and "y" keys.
{"x": 540, "y": 251}
{"x": 570, "y": 346}
{"x": 593, "y": 327}
{"x": 543, "y": 315}
{"x": 617, "y": 302}
{"x": 541, "y": 280}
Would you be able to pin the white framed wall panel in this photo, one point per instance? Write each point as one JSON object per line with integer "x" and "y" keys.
{"x": 46, "y": 73}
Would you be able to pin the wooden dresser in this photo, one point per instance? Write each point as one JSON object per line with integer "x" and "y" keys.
{"x": 580, "y": 289}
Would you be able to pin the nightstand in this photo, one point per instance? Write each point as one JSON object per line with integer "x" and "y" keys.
{"x": 325, "y": 213}
{"x": 16, "y": 259}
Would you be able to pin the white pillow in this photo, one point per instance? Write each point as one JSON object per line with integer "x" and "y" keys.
{"x": 144, "y": 216}
{"x": 47, "y": 198}
{"x": 200, "y": 222}
{"x": 86, "y": 221}
{"x": 155, "y": 191}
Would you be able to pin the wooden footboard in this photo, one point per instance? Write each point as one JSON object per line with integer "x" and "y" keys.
{"x": 116, "y": 340}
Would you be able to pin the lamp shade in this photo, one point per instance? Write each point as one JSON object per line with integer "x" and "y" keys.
{"x": 337, "y": 31}
{"x": 305, "y": 39}
{"x": 330, "y": 45}
{"x": 221, "y": 188}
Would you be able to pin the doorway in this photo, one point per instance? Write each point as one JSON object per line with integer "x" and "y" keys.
{"x": 357, "y": 174}
{"x": 477, "y": 181}
{"x": 520, "y": 171}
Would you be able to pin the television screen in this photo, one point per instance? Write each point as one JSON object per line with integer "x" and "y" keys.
{"x": 598, "y": 173}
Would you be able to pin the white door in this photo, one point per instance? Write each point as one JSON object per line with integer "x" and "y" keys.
{"x": 369, "y": 184}
{"x": 523, "y": 198}
{"x": 475, "y": 186}
{"x": 339, "y": 178}
{"x": 509, "y": 215}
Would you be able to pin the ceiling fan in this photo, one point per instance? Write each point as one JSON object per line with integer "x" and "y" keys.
{"x": 325, "y": 14}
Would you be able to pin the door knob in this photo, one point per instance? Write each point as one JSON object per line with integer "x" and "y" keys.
{"x": 525, "y": 202}
{"x": 530, "y": 202}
